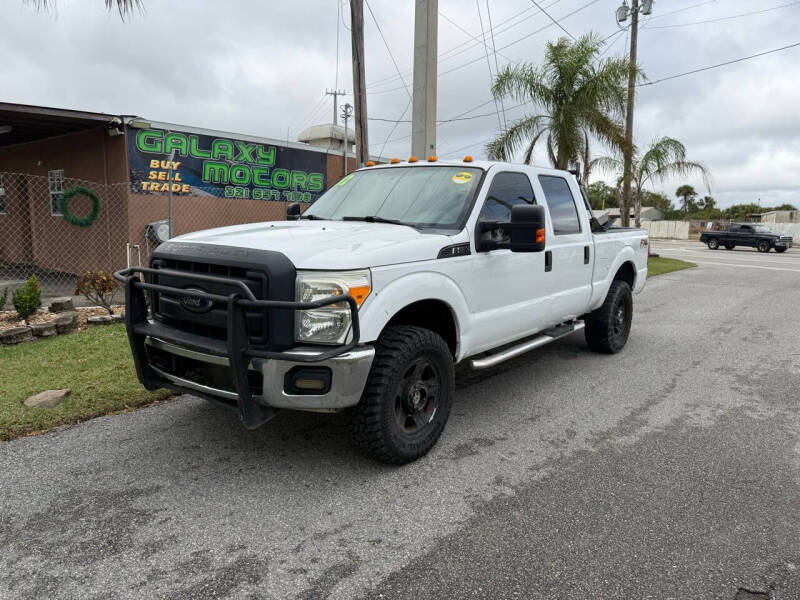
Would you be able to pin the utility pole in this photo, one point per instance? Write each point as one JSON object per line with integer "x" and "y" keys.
{"x": 347, "y": 112}
{"x": 423, "y": 117}
{"x": 335, "y": 93}
{"x": 622, "y": 14}
{"x": 359, "y": 81}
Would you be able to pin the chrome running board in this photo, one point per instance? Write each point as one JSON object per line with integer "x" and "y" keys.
{"x": 540, "y": 340}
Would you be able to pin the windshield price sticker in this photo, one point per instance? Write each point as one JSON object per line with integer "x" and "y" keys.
{"x": 462, "y": 177}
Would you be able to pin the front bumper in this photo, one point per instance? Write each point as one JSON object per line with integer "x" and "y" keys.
{"x": 783, "y": 243}
{"x": 348, "y": 376}
{"x": 248, "y": 378}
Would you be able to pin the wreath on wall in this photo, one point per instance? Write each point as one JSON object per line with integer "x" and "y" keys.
{"x": 74, "y": 219}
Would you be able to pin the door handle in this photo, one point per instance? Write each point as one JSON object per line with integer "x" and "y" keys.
{"x": 586, "y": 255}
{"x": 548, "y": 261}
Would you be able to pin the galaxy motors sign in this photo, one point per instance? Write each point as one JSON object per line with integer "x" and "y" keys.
{"x": 161, "y": 161}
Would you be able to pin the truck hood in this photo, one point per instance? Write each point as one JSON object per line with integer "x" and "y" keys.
{"x": 331, "y": 244}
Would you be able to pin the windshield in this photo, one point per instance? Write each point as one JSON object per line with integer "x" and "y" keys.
{"x": 762, "y": 229}
{"x": 419, "y": 196}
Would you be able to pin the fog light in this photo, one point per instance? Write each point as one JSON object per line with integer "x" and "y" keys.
{"x": 314, "y": 381}
{"x": 316, "y": 385}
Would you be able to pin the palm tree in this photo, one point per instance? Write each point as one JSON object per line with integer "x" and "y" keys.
{"x": 125, "y": 7}
{"x": 687, "y": 194}
{"x": 666, "y": 157}
{"x": 576, "y": 96}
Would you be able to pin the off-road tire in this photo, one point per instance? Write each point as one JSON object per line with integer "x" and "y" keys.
{"x": 604, "y": 332}
{"x": 780, "y": 250}
{"x": 763, "y": 246}
{"x": 713, "y": 243}
{"x": 374, "y": 422}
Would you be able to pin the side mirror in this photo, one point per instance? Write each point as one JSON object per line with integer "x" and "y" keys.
{"x": 293, "y": 211}
{"x": 526, "y": 230}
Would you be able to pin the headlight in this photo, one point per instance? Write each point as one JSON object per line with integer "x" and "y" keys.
{"x": 328, "y": 324}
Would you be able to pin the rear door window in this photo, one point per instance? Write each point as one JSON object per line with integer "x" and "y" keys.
{"x": 561, "y": 204}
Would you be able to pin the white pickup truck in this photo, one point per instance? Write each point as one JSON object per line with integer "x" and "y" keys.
{"x": 366, "y": 302}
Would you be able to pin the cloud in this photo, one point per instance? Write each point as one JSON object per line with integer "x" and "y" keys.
{"x": 262, "y": 68}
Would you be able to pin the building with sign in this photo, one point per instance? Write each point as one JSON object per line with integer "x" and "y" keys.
{"x": 136, "y": 172}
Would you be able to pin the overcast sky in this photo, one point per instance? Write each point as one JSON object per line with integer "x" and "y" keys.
{"x": 261, "y": 68}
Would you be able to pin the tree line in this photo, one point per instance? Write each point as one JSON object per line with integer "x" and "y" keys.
{"x": 690, "y": 205}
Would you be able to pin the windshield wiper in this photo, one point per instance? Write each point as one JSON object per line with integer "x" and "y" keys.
{"x": 377, "y": 219}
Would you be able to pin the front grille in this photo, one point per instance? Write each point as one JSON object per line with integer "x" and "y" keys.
{"x": 213, "y": 323}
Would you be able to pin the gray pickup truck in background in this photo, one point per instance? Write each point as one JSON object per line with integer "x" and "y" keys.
{"x": 754, "y": 235}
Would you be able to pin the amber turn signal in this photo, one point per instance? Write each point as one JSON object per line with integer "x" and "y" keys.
{"x": 360, "y": 293}
{"x": 540, "y": 236}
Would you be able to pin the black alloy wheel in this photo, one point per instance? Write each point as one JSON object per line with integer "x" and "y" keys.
{"x": 417, "y": 396}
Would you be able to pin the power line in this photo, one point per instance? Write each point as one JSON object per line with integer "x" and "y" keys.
{"x": 460, "y": 28}
{"x": 394, "y": 62}
{"x": 488, "y": 64}
{"x": 755, "y": 12}
{"x": 299, "y": 125}
{"x": 496, "y": 65}
{"x": 560, "y": 26}
{"x": 385, "y": 43}
{"x": 684, "y": 9}
{"x": 466, "y": 64}
{"x": 343, "y": 23}
{"x": 386, "y": 141}
{"x": 457, "y": 50}
{"x": 730, "y": 62}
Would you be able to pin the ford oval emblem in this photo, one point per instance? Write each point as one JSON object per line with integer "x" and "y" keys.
{"x": 195, "y": 304}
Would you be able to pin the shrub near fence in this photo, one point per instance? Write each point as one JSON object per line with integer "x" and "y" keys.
{"x": 35, "y": 238}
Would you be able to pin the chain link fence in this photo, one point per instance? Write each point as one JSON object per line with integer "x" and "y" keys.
{"x": 58, "y": 227}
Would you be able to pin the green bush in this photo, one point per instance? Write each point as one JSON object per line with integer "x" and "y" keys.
{"x": 27, "y": 298}
{"x": 3, "y": 298}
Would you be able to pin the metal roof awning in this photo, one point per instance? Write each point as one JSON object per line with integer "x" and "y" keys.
{"x": 21, "y": 123}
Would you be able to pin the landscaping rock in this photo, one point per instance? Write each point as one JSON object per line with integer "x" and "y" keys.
{"x": 100, "y": 320}
{"x": 44, "y": 329}
{"x": 60, "y": 305}
{"x": 16, "y": 335}
{"x": 47, "y": 399}
{"x": 66, "y": 322}
{"x": 118, "y": 318}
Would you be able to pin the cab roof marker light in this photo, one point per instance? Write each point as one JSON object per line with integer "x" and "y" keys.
{"x": 394, "y": 161}
{"x": 412, "y": 159}
{"x": 370, "y": 163}
{"x": 432, "y": 158}
{"x": 468, "y": 158}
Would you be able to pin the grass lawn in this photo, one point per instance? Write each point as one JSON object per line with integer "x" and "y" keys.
{"x": 95, "y": 364}
{"x": 660, "y": 265}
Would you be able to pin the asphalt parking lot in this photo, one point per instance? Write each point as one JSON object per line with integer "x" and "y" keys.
{"x": 671, "y": 470}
